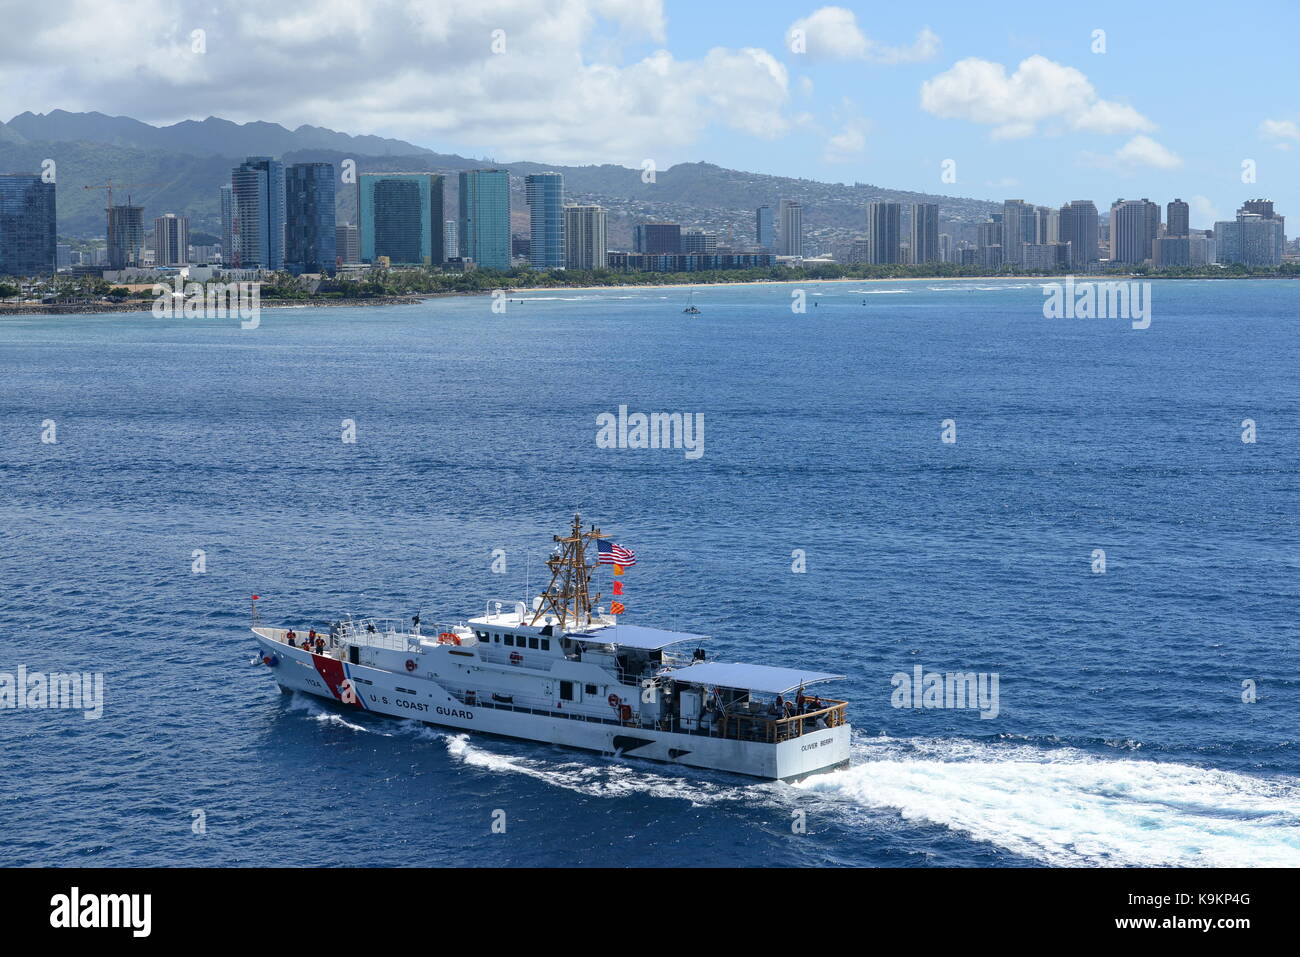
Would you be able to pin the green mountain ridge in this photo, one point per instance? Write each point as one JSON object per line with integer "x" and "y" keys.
{"x": 186, "y": 180}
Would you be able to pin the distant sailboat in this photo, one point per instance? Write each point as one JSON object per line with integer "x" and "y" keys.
{"x": 691, "y": 309}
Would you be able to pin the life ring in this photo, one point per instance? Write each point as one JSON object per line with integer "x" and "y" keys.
{"x": 269, "y": 660}
{"x": 447, "y": 638}
{"x": 614, "y": 700}
{"x": 410, "y": 664}
{"x": 515, "y": 657}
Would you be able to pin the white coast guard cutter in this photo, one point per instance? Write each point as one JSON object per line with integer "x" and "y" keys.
{"x": 564, "y": 673}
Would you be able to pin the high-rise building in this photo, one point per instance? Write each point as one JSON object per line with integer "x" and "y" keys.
{"x": 765, "y": 228}
{"x": 1260, "y": 207}
{"x": 1201, "y": 248}
{"x": 1178, "y": 217}
{"x": 1172, "y": 251}
{"x": 544, "y": 193}
{"x": 586, "y": 245}
{"x": 925, "y": 233}
{"x": 1078, "y": 228}
{"x": 1049, "y": 225}
{"x": 1153, "y": 223}
{"x": 347, "y": 243}
{"x": 791, "y": 240}
{"x": 884, "y": 232}
{"x": 125, "y": 236}
{"x": 1019, "y": 226}
{"x": 1264, "y": 209}
{"x": 989, "y": 232}
{"x": 484, "y": 233}
{"x": 227, "y": 201}
{"x": 661, "y": 238}
{"x": 400, "y": 217}
{"x": 309, "y": 219}
{"x": 698, "y": 241}
{"x": 257, "y": 188}
{"x": 1134, "y": 227}
{"x": 28, "y": 230}
{"x": 1250, "y": 240}
{"x": 171, "y": 240}
{"x": 450, "y": 240}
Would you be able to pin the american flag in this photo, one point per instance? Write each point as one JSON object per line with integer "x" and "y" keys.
{"x": 612, "y": 553}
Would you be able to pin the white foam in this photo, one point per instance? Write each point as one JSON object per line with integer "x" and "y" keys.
{"x": 597, "y": 777}
{"x": 1056, "y": 805}
{"x": 1066, "y": 807}
{"x": 322, "y": 715}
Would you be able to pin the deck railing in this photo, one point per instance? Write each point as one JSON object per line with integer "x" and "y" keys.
{"x": 762, "y": 727}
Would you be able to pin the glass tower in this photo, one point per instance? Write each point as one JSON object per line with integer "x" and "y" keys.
{"x": 484, "y": 232}
{"x": 27, "y": 225}
{"x": 257, "y": 198}
{"x": 544, "y": 193}
{"x": 309, "y": 218}
{"x": 400, "y": 216}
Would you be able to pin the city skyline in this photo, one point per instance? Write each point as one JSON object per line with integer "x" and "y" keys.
{"x": 1010, "y": 108}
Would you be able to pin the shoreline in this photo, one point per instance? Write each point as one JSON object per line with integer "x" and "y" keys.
{"x": 752, "y": 282}
{"x": 1078, "y": 278}
{"x": 146, "y": 305}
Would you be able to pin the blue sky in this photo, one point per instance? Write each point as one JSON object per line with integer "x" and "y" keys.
{"x": 1206, "y": 77}
{"x": 1011, "y": 93}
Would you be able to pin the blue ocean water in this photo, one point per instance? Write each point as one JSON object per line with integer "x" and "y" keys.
{"x": 1121, "y": 738}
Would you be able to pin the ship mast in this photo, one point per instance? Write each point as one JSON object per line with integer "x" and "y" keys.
{"x": 568, "y": 596}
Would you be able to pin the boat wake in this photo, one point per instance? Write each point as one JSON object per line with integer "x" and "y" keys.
{"x": 1066, "y": 807}
{"x": 1058, "y": 806}
{"x": 590, "y": 775}
{"x": 595, "y": 777}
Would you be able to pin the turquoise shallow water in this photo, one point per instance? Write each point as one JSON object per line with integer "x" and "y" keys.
{"x": 1121, "y": 736}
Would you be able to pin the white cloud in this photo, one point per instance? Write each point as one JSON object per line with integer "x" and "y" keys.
{"x": 1140, "y": 151}
{"x": 1279, "y": 130}
{"x": 833, "y": 33}
{"x": 1203, "y": 212}
{"x": 1144, "y": 151}
{"x": 425, "y": 72}
{"x": 926, "y": 47}
{"x": 1040, "y": 91}
{"x": 849, "y": 143}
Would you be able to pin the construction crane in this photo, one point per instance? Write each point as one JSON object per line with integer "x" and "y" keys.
{"x": 110, "y": 185}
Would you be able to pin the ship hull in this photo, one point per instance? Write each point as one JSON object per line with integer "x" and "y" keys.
{"x": 420, "y": 698}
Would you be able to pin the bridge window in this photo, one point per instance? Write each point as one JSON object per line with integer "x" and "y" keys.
{"x": 532, "y": 643}
{"x": 546, "y": 644}
{"x": 590, "y": 689}
{"x": 510, "y": 640}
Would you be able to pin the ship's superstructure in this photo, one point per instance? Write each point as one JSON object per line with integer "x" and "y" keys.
{"x": 565, "y": 672}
